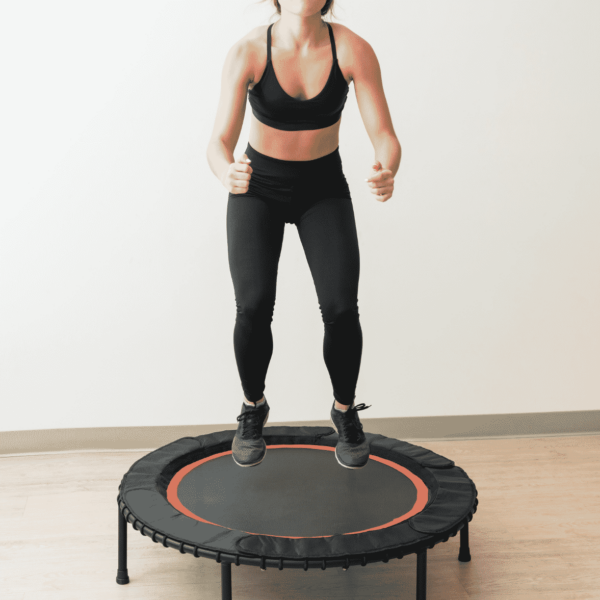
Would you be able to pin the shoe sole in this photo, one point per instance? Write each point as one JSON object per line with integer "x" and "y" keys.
{"x": 336, "y": 454}
{"x": 263, "y": 457}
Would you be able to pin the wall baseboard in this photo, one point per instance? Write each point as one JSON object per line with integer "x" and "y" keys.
{"x": 584, "y": 422}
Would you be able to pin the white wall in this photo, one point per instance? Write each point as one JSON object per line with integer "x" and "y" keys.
{"x": 479, "y": 288}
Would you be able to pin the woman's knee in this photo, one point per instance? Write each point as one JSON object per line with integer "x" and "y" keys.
{"x": 256, "y": 308}
{"x": 340, "y": 313}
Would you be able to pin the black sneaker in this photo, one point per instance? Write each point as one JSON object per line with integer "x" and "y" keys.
{"x": 352, "y": 449}
{"x": 249, "y": 448}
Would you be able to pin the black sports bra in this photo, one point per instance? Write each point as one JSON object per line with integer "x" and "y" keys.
{"x": 275, "y": 108}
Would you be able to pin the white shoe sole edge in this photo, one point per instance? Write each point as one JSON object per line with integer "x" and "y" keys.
{"x": 263, "y": 458}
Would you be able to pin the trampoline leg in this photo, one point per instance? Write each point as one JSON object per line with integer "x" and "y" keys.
{"x": 422, "y": 574}
{"x": 226, "y": 581}
{"x": 122, "y": 576}
{"x": 463, "y": 554}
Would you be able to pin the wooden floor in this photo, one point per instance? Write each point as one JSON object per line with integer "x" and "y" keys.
{"x": 536, "y": 534}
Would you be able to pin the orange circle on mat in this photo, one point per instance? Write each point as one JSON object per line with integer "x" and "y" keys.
{"x": 419, "y": 505}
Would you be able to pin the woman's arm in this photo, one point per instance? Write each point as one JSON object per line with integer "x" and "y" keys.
{"x": 235, "y": 77}
{"x": 375, "y": 114}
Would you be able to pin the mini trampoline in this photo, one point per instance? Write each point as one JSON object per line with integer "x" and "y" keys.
{"x": 299, "y": 508}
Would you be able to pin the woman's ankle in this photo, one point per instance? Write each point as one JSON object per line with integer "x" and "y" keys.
{"x": 343, "y": 407}
{"x": 250, "y": 403}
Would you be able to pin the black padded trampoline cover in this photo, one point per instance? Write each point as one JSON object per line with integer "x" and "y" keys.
{"x": 299, "y": 502}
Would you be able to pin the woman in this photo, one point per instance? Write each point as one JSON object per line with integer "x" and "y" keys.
{"x": 296, "y": 72}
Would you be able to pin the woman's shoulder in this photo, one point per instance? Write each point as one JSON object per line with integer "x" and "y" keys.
{"x": 347, "y": 40}
{"x": 350, "y": 47}
{"x": 256, "y": 38}
{"x": 247, "y": 52}
{"x": 251, "y": 41}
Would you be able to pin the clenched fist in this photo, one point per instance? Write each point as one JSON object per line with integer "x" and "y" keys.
{"x": 237, "y": 177}
{"x": 381, "y": 183}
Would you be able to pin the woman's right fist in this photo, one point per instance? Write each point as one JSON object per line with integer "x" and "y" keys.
{"x": 237, "y": 177}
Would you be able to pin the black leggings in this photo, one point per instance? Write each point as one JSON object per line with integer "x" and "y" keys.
{"x": 313, "y": 195}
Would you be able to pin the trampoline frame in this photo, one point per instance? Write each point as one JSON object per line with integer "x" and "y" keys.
{"x": 226, "y": 559}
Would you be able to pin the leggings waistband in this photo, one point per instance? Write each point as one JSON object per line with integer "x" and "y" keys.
{"x": 280, "y": 179}
{"x": 292, "y": 168}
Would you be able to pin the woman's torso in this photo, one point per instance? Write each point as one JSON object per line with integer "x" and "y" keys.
{"x": 301, "y": 77}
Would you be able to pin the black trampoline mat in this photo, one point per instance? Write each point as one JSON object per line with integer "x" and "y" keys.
{"x": 297, "y": 491}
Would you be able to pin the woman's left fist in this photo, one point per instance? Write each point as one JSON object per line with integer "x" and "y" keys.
{"x": 381, "y": 182}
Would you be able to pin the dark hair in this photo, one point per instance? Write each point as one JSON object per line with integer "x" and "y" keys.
{"x": 327, "y": 8}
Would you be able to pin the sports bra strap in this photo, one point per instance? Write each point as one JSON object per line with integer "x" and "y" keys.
{"x": 269, "y": 42}
{"x": 331, "y": 38}
{"x": 332, "y": 41}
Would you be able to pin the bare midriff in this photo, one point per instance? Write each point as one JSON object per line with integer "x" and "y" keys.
{"x": 293, "y": 145}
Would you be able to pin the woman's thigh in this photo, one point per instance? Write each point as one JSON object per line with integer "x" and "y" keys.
{"x": 328, "y": 234}
{"x": 254, "y": 239}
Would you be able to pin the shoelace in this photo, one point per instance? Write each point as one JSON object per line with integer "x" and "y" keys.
{"x": 351, "y": 426}
{"x": 251, "y": 421}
